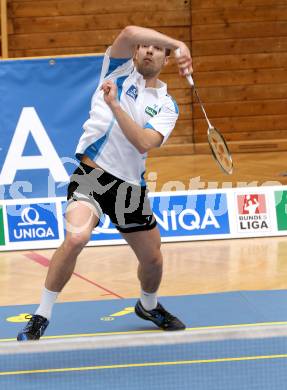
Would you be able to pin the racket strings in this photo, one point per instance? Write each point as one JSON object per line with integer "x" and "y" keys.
{"x": 220, "y": 150}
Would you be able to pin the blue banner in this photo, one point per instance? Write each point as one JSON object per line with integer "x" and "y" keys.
{"x": 189, "y": 215}
{"x": 44, "y": 103}
{"x": 180, "y": 216}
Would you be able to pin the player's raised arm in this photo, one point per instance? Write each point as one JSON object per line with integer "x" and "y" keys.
{"x": 131, "y": 36}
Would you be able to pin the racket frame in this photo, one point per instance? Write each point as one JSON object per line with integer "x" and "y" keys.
{"x": 210, "y": 129}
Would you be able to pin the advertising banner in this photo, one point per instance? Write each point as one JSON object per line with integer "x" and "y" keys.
{"x": 44, "y": 103}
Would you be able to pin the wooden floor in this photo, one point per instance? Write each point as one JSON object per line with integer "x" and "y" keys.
{"x": 190, "y": 268}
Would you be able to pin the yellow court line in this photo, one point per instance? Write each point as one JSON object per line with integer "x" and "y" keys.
{"x": 67, "y": 336}
{"x": 150, "y": 364}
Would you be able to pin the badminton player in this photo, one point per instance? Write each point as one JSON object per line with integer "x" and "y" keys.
{"x": 131, "y": 113}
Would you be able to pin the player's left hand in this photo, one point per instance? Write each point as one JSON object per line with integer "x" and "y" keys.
{"x": 110, "y": 93}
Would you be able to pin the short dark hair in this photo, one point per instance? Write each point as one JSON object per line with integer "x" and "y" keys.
{"x": 167, "y": 51}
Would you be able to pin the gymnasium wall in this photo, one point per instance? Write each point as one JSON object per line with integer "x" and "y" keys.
{"x": 239, "y": 50}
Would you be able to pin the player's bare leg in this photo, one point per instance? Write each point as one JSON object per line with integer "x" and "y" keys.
{"x": 146, "y": 245}
{"x": 81, "y": 218}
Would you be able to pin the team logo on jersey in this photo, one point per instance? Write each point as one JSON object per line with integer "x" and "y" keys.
{"x": 150, "y": 111}
{"x": 132, "y": 92}
{"x": 252, "y": 213}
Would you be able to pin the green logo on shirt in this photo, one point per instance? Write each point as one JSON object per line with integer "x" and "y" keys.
{"x": 150, "y": 111}
{"x": 2, "y": 237}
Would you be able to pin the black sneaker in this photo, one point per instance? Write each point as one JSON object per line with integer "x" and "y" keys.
{"x": 34, "y": 329}
{"x": 159, "y": 316}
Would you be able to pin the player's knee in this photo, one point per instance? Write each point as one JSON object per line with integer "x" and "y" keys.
{"x": 76, "y": 241}
{"x": 154, "y": 259}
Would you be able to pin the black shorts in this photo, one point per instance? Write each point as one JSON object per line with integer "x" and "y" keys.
{"x": 126, "y": 204}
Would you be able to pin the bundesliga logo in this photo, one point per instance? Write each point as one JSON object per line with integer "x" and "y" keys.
{"x": 252, "y": 213}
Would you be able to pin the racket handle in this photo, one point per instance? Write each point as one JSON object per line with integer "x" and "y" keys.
{"x": 190, "y": 79}
{"x": 187, "y": 75}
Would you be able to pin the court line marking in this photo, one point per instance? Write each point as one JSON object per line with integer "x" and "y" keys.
{"x": 67, "y": 336}
{"x": 44, "y": 261}
{"x": 149, "y": 364}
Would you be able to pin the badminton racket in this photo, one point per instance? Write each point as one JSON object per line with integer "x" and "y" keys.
{"x": 216, "y": 141}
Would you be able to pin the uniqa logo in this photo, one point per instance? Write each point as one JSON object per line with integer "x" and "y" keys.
{"x": 171, "y": 220}
{"x": 33, "y": 227}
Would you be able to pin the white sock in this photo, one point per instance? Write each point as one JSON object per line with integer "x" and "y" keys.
{"x": 47, "y": 302}
{"x": 148, "y": 300}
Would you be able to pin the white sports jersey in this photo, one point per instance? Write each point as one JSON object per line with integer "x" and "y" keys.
{"x": 103, "y": 140}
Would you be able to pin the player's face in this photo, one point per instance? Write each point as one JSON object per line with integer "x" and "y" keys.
{"x": 150, "y": 60}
